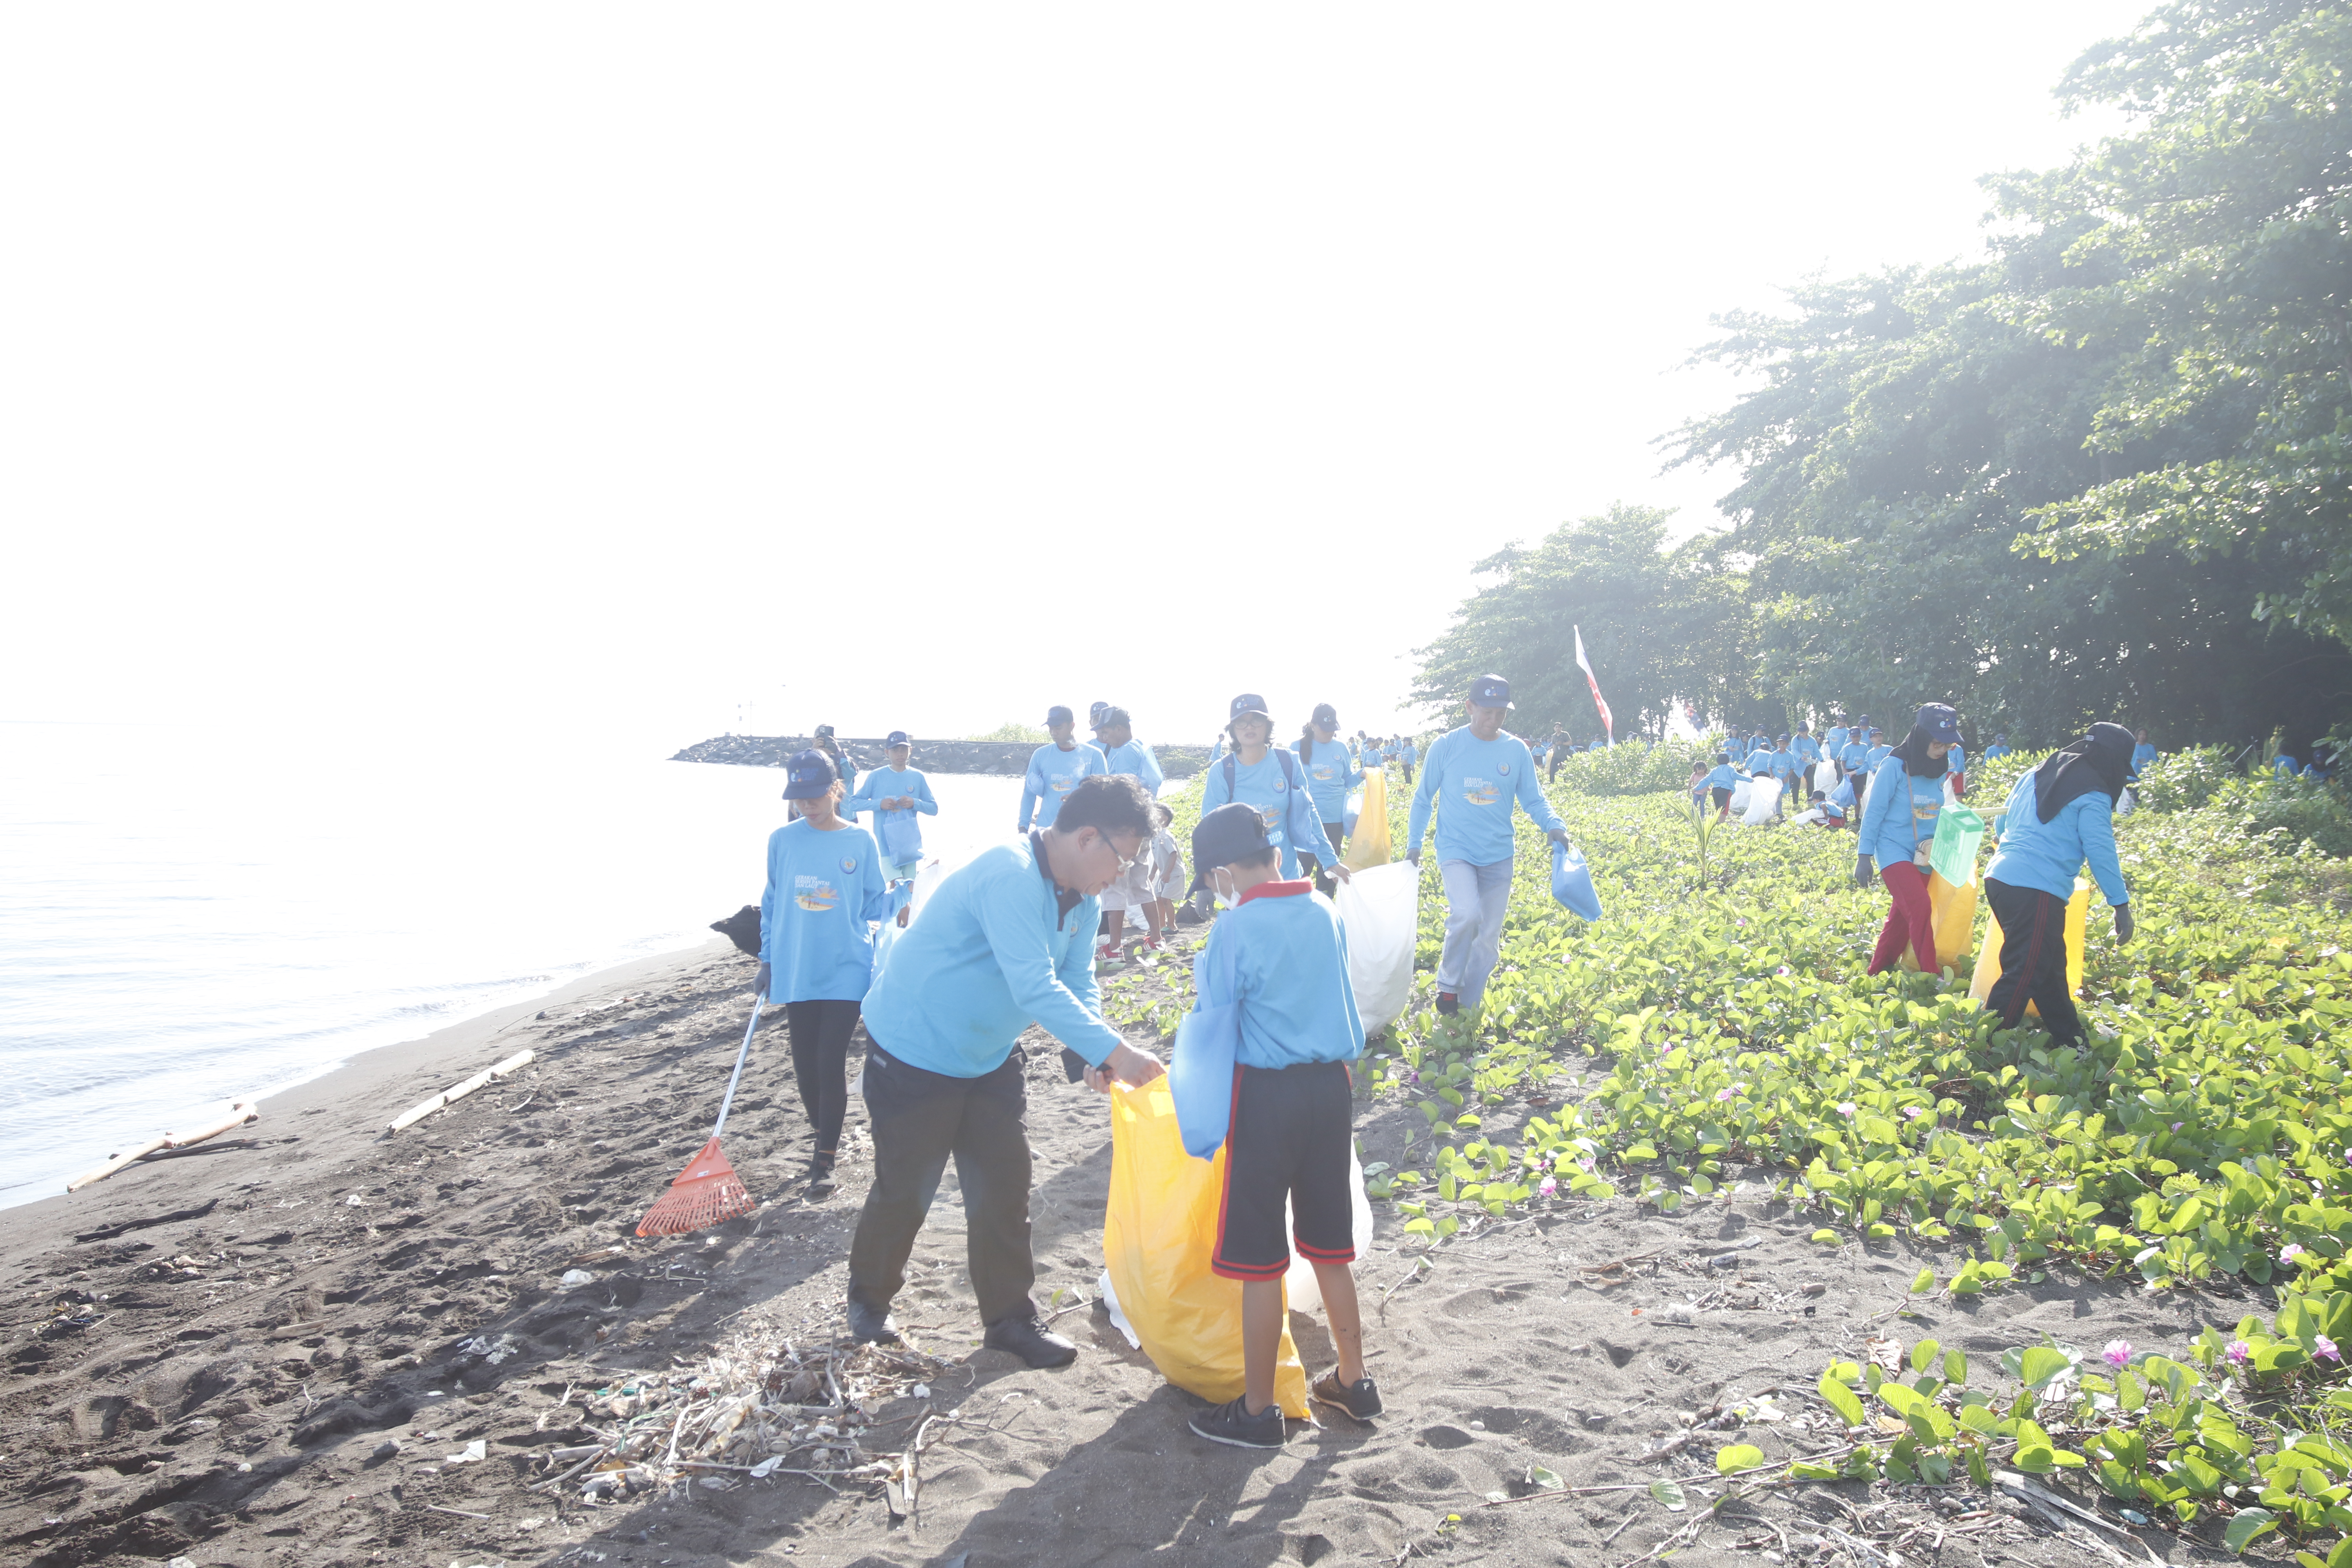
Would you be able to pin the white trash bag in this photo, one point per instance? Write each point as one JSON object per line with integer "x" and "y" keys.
{"x": 1381, "y": 906}
{"x": 1763, "y": 800}
{"x": 1305, "y": 1295}
{"x": 1739, "y": 794}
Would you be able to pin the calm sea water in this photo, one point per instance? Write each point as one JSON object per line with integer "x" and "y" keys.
{"x": 185, "y": 920}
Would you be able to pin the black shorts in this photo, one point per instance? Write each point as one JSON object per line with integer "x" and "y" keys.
{"x": 1722, "y": 796}
{"x": 1292, "y": 1129}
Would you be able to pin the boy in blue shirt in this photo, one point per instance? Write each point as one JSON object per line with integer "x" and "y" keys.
{"x": 1405, "y": 755}
{"x": 1854, "y": 757}
{"x": 1267, "y": 777}
{"x": 2000, "y": 748}
{"x": 1787, "y": 770}
{"x": 1292, "y": 1129}
{"x": 1055, "y": 770}
{"x": 1007, "y": 941}
{"x": 1122, "y": 752}
{"x": 895, "y": 795}
{"x": 1721, "y": 781}
{"x": 2142, "y": 754}
{"x": 1478, "y": 770}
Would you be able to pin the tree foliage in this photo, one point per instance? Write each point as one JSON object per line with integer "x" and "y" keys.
{"x": 2103, "y": 473}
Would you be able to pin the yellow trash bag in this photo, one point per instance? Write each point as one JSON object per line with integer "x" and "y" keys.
{"x": 2078, "y": 911}
{"x": 1370, "y": 847}
{"x": 1955, "y": 923}
{"x": 1157, "y": 1234}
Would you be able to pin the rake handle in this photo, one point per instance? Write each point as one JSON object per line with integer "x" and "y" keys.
{"x": 724, "y": 1105}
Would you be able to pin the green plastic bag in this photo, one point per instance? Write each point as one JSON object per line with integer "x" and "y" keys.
{"x": 1959, "y": 831}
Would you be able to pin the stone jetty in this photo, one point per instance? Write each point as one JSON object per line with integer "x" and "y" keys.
{"x": 1004, "y": 758}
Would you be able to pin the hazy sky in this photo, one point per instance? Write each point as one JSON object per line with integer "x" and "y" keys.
{"x": 605, "y": 368}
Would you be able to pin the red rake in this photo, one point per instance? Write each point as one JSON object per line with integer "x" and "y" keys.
{"x": 707, "y": 1191}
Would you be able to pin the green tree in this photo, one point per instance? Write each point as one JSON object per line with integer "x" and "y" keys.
{"x": 1660, "y": 624}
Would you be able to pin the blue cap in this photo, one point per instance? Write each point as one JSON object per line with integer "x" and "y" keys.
{"x": 896, "y": 738}
{"x": 1940, "y": 721}
{"x": 1491, "y": 691}
{"x": 1057, "y": 714}
{"x": 808, "y": 775}
{"x": 1095, "y": 714}
{"x": 1248, "y": 702}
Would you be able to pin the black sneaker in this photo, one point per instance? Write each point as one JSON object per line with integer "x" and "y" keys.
{"x": 1359, "y": 1399}
{"x": 1448, "y": 1004}
{"x": 1031, "y": 1340}
{"x": 1231, "y": 1424}
{"x": 870, "y": 1325}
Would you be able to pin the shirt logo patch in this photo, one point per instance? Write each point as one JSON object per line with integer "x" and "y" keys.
{"x": 816, "y": 895}
{"x": 848, "y": 864}
{"x": 1504, "y": 769}
{"x": 1280, "y": 786}
{"x": 1481, "y": 792}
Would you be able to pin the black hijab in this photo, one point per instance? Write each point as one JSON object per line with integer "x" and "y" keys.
{"x": 2099, "y": 761}
{"x": 1916, "y": 760}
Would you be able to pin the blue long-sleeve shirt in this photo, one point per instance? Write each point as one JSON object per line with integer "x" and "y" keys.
{"x": 824, "y": 888}
{"x": 2142, "y": 755}
{"x": 1053, "y": 774}
{"x": 1330, "y": 777}
{"x": 1290, "y": 975}
{"x": 1786, "y": 766}
{"x": 1900, "y": 819}
{"x": 1759, "y": 760}
{"x": 1136, "y": 758}
{"x": 1276, "y": 785}
{"x": 1833, "y": 740}
{"x": 1723, "y": 775}
{"x": 1808, "y": 750}
{"x": 1476, "y": 781}
{"x": 993, "y": 952}
{"x": 2047, "y": 855}
{"x": 889, "y": 784}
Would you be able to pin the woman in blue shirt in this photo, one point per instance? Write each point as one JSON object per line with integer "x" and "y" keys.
{"x": 826, "y": 889}
{"x": 2060, "y": 816}
{"x": 1267, "y": 777}
{"x": 1898, "y": 828}
{"x": 2142, "y": 755}
{"x": 1323, "y": 758}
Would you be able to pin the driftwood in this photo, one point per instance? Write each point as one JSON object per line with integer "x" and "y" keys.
{"x": 239, "y": 1113}
{"x": 423, "y": 1109}
{"x": 107, "y": 1233}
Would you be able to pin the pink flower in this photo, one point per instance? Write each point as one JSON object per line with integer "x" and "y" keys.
{"x": 1550, "y": 1186}
{"x": 1846, "y": 1107}
{"x": 2118, "y": 1353}
{"x": 2175, "y": 1126}
{"x": 2237, "y": 1351}
{"x": 1584, "y": 1164}
{"x": 2326, "y": 1349}
{"x": 1723, "y": 1094}
{"x": 2290, "y": 1252}
{"x": 1782, "y": 970}
{"x": 1912, "y": 1113}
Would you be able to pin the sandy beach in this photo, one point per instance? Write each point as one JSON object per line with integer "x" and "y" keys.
{"x": 282, "y": 1373}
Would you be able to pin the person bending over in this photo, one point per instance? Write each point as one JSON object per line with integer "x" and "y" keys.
{"x": 1287, "y": 1146}
{"x": 2060, "y": 816}
{"x": 1006, "y": 940}
{"x": 1898, "y": 829}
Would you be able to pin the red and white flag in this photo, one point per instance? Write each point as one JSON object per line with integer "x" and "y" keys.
{"x": 1592, "y": 680}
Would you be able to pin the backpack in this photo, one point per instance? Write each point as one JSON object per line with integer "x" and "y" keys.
{"x": 1289, "y": 769}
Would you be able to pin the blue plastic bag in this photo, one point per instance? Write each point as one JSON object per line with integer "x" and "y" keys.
{"x": 1200, "y": 1078}
{"x": 1571, "y": 882}
{"x": 902, "y": 837}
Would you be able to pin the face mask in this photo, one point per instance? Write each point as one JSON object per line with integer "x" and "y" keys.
{"x": 1227, "y": 894}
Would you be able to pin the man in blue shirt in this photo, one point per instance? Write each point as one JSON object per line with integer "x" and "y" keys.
{"x": 1122, "y": 752}
{"x": 2000, "y": 748}
{"x": 2142, "y": 754}
{"x": 1477, "y": 771}
{"x": 1056, "y": 769}
{"x": 1787, "y": 771}
{"x": 1880, "y": 748}
{"x": 1287, "y": 1146}
{"x": 1006, "y": 940}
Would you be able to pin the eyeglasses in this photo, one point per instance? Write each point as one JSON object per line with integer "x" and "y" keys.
{"x": 1126, "y": 862}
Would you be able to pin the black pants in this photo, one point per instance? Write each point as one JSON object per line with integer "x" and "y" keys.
{"x": 918, "y": 1119}
{"x": 1324, "y": 883}
{"x": 2033, "y": 961}
{"x": 821, "y": 1032}
{"x": 1551, "y": 775}
{"x": 1408, "y": 773}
